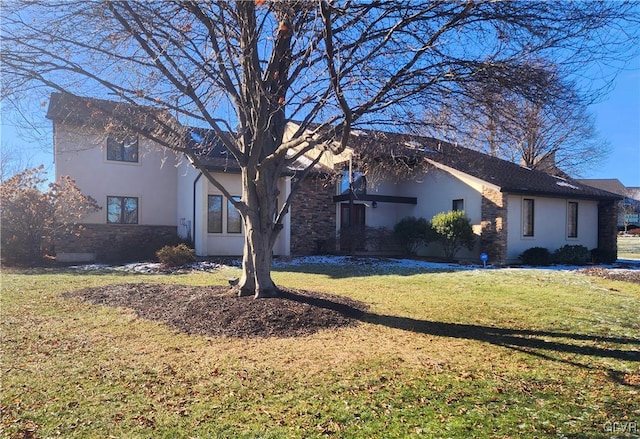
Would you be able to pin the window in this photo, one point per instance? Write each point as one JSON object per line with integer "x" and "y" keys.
{"x": 344, "y": 182}
{"x": 214, "y": 214}
{"x": 234, "y": 220}
{"x": 572, "y": 219}
{"x": 457, "y": 205}
{"x": 527, "y": 217}
{"x": 122, "y": 210}
{"x": 122, "y": 150}
{"x": 359, "y": 183}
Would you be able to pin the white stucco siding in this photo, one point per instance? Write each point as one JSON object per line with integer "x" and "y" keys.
{"x": 438, "y": 190}
{"x": 225, "y": 243}
{"x": 435, "y": 192}
{"x": 385, "y": 214}
{"x": 187, "y": 176}
{"x": 550, "y": 224}
{"x": 81, "y": 154}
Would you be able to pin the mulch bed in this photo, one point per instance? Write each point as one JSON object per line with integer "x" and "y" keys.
{"x": 216, "y": 311}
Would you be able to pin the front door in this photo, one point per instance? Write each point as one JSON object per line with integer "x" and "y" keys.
{"x": 352, "y": 227}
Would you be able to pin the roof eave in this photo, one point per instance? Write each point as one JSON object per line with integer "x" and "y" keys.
{"x": 573, "y": 195}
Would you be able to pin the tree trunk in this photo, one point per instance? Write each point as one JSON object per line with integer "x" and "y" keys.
{"x": 256, "y": 264}
{"x": 260, "y": 232}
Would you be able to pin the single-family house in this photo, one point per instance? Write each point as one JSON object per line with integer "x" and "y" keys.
{"x": 150, "y": 194}
{"x": 512, "y": 208}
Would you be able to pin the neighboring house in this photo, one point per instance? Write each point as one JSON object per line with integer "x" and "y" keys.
{"x": 512, "y": 208}
{"x": 629, "y": 212}
{"x": 149, "y": 194}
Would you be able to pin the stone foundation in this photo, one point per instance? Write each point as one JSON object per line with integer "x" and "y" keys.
{"x": 313, "y": 216}
{"x": 493, "y": 237}
{"x": 114, "y": 242}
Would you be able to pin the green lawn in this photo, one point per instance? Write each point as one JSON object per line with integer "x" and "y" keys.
{"x": 480, "y": 353}
{"x": 629, "y": 247}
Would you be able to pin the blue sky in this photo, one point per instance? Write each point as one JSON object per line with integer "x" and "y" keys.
{"x": 617, "y": 120}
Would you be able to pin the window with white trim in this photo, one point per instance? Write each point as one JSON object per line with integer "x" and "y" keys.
{"x": 234, "y": 220}
{"x": 214, "y": 214}
{"x": 528, "y": 216}
{"x": 572, "y": 219}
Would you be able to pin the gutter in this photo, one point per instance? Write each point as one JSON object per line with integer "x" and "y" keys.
{"x": 194, "y": 208}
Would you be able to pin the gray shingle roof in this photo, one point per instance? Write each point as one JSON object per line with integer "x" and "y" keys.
{"x": 98, "y": 113}
{"x": 508, "y": 176}
{"x": 607, "y": 184}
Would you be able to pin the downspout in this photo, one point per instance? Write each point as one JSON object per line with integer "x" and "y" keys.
{"x": 351, "y": 209}
{"x": 194, "y": 208}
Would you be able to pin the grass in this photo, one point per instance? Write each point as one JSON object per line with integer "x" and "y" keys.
{"x": 482, "y": 353}
{"x": 629, "y": 247}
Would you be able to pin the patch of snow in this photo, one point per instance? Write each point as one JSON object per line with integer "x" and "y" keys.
{"x": 369, "y": 262}
{"x": 151, "y": 267}
{"x": 89, "y": 267}
{"x": 379, "y": 265}
{"x": 413, "y": 144}
{"x": 565, "y": 184}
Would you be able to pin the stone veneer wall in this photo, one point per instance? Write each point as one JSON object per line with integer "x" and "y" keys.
{"x": 493, "y": 238}
{"x": 313, "y": 216}
{"x": 115, "y": 242}
{"x": 607, "y": 230}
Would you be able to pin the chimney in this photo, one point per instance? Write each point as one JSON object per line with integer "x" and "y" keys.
{"x": 547, "y": 163}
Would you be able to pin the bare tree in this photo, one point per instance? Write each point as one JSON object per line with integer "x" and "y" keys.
{"x": 244, "y": 68}
{"x": 12, "y": 161}
{"x": 551, "y": 131}
{"x": 629, "y": 209}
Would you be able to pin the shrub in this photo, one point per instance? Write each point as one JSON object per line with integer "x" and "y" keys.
{"x": 362, "y": 238}
{"x": 352, "y": 238}
{"x": 30, "y": 216}
{"x": 572, "y": 255}
{"x": 600, "y": 256}
{"x": 324, "y": 246}
{"x": 536, "y": 256}
{"x": 453, "y": 230}
{"x": 411, "y": 233}
{"x": 175, "y": 256}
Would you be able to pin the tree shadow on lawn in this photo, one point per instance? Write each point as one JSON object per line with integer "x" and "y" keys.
{"x": 527, "y": 341}
{"x": 350, "y": 267}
